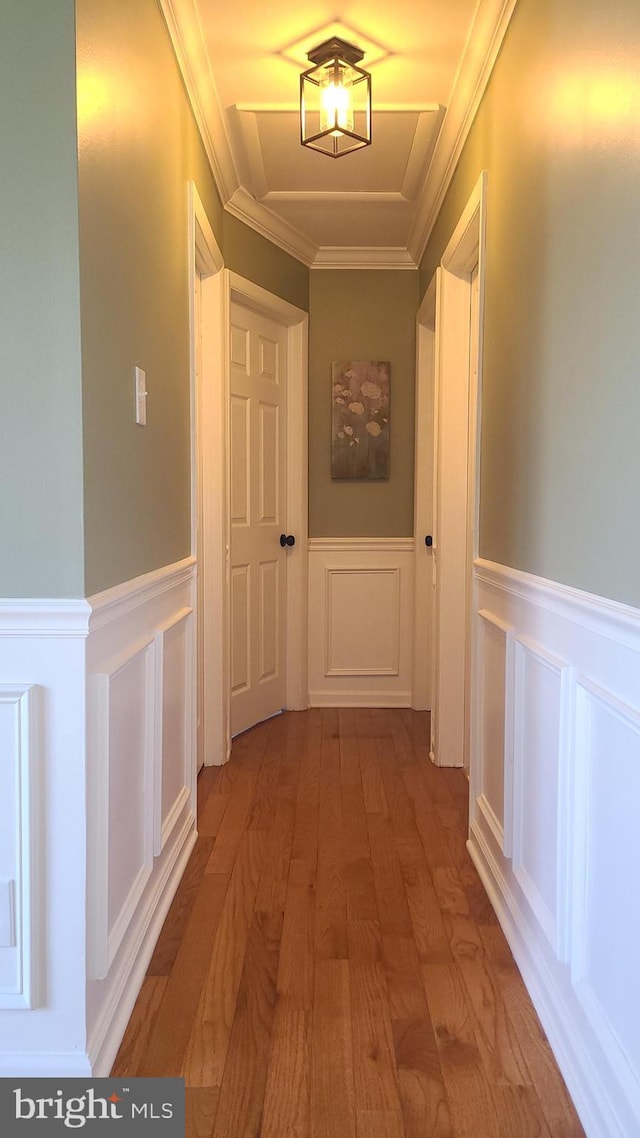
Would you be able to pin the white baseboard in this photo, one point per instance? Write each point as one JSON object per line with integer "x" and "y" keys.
{"x": 45, "y": 1065}
{"x": 110, "y": 1028}
{"x": 342, "y": 698}
{"x": 555, "y": 786}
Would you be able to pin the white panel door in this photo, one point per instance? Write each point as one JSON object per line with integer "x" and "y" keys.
{"x": 258, "y": 517}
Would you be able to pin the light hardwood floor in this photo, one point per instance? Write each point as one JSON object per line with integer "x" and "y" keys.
{"x": 331, "y": 966}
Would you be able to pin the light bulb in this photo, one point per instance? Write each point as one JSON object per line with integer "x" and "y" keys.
{"x": 336, "y": 108}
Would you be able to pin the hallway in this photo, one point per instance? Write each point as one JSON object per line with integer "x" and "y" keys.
{"x": 331, "y": 966}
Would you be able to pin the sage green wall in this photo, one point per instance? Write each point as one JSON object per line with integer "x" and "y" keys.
{"x": 362, "y": 315}
{"x": 559, "y": 134}
{"x": 252, "y": 256}
{"x": 40, "y": 378}
{"x": 138, "y": 147}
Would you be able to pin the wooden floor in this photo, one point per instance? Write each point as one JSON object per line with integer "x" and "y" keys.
{"x": 331, "y": 966}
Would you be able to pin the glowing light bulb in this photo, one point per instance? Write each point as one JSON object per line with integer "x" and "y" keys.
{"x": 336, "y": 109}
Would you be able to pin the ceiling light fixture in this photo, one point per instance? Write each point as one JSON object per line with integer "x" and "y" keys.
{"x": 335, "y": 100}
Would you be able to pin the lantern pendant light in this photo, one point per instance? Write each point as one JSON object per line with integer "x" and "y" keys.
{"x": 335, "y": 100}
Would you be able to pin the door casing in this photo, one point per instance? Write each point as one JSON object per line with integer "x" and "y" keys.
{"x": 211, "y": 524}
{"x": 444, "y": 342}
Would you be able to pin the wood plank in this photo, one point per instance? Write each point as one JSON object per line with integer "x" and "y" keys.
{"x": 557, "y": 1106}
{"x": 304, "y": 846}
{"x": 168, "y": 1041}
{"x": 331, "y": 903}
{"x": 168, "y": 942}
{"x": 497, "y": 1037}
{"x": 425, "y": 1110}
{"x": 429, "y": 931}
{"x": 358, "y": 870}
{"x": 462, "y": 930}
{"x": 393, "y": 909}
{"x": 286, "y": 1103}
{"x": 245, "y": 1071}
{"x": 379, "y": 1124}
{"x": 374, "y": 1069}
{"x": 518, "y": 1111}
{"x": 233, "y": 825}
{"x": 468, "y": 1091}
{"x": 295, "y": 970}
{"x": 211, "y": 816}
{"x": 139, "y": 1028}
{"x": 272, "y": 890}
{"x": 332, "y": 1090}
{"x": 375, "y": 800}
{"x": 211, "y": 1029}
{"x": 201, "y": 1104}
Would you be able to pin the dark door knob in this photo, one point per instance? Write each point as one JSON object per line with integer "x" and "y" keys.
{"x": 287, "y": 539}
{"x": 428, "y": 541}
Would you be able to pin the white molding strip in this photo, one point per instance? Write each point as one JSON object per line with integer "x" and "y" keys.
{"x": 361, "y": 545}
{"x": 245, "y": 207}
{"x": 363, "y": 257}
{"x": 117, "y": 602}
{"x": 334, "y": 698}
{"x": 44, "y": 617}
{"x": 588, "y": 609}
{"x": 23, "y": 893}
{"x": 483, "y": 46}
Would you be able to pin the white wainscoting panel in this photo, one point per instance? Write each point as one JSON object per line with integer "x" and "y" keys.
{"x": 20, "y": 847}
{"x": 141, "y": 784}
{"x": 493, "y": 754}
{"x": 42, "y": 837}
{"x": 561, "y": 669}
{"x": 360, "y": 622}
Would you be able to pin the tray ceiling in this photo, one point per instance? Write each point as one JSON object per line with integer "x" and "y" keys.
{"x": 429, "y": 62}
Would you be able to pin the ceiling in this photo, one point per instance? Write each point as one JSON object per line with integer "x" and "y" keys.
{"x": 429, "y": 60}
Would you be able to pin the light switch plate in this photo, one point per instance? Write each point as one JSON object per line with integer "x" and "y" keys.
{"x": 141, "y": 397}
{"x": 7, "y": 915}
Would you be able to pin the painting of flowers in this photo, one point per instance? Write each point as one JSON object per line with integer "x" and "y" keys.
{"x": 360, "y": 419}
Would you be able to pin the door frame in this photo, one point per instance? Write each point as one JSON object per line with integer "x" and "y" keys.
{"x": 296, "y": 322}
{"x": 444, "y": 320}
{"x": 210, "y": 503}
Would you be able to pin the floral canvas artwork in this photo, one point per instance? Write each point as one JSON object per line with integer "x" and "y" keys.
{"x": 360, "y": 419}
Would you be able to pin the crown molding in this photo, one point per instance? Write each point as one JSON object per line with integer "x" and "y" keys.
{"x": 483, "y": 45}
{"x": 363, "y": 257}
{"x": 185, "y": 31}
{"x": 245, "y": 207}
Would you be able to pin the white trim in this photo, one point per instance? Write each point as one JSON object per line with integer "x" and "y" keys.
{"x": 104, "y": 938}
{"x": 566, "y": 946}
{"x": 393, "y": 669}
{"x": 44, "y": 1065}
{"x": 597, "y": 613}
{"x": 268, "y": 224}
{"x": 361, "y": 545}
{"x": 444, "y": 364}
{"x": 110, "y": 1026}
{"x": 164, "y": 827}
{"x": 363, "y": 257}
{"x": 424, "y": 464}
{"x": 117, "y": 602}
{"x": 27, "y": 885}
{"x": 582, "y": 1075}
{"x": 44, "y": 617}
{"x": 483, "y": 46}
{"x": 208, "y": 479}
{"x": 359, "y": 699}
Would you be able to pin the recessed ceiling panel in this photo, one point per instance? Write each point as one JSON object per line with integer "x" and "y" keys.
{"x": 354, "y": 224}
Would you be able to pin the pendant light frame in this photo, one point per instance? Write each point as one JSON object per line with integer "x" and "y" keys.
{"x": 333, "y": 61}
